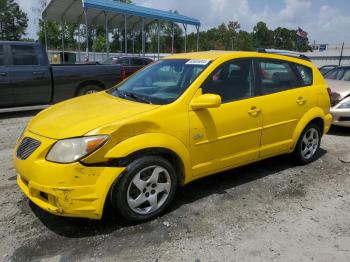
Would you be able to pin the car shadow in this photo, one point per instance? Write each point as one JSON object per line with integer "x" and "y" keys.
{"x": 216, "y": 184}
{"x": 19, "y": 114}
{"x": 339, "y": 131}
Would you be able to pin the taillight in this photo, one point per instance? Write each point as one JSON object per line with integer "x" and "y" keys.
{"x": 122, "y": 75}
{"x": 330, "y": 95}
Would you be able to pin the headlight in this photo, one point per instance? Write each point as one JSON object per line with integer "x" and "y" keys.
{"x": 73, "y": 149}
{"x": 345, "y": 103}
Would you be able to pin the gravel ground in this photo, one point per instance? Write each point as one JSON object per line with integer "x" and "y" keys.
{"x": 268, "y": 211}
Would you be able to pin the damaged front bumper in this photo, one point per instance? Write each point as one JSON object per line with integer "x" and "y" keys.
{"x": 72, "y": 190}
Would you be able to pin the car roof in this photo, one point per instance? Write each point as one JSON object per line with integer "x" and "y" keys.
{"x": 213, "y": 55}
{"x": 139, "y": 57}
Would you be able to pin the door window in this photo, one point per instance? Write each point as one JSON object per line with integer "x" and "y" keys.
{"x": 276, "y": 76}
{"x": 123, "y": 61}
{"x": 232, "y": 81}
{"x": 346, "y": 76}
{"x": 24, "y": 55}
{"x": 335, "y": 74}
{"x": 2, "y": 55}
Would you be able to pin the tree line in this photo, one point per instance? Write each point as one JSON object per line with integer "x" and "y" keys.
{"x": 226, "y": 36}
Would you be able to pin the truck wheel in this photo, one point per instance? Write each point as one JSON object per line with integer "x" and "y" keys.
{"x": 308, "y": 144}
{"x": 88, "y": 90}
{"x": 145, "y": 190}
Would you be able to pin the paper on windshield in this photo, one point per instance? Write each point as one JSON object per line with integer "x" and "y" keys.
{"x": 198, "y": 62}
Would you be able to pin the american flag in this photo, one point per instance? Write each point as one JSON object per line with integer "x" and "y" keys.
{"x": 301, "y": 33}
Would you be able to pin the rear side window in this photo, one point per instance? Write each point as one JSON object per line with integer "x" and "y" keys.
{"x": 2, "y": 55}
{"x": 305, "y": 74}
{"x": 137, "y": 62}
{"x": 24, "y": 55}
{"x": 277, "y": 76}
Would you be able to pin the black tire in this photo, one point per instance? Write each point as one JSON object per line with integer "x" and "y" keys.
{"x": 89, "y": 90}
{"x": 300, "y": 157}
{"x": 119, "y": 194}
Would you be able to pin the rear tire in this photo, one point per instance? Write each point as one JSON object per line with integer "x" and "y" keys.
{"x": 145, "y": 190}
{"x": 308, "y": 144}
{"x": 86, "y": 90}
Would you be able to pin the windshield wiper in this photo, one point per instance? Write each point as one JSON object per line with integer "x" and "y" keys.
{"x": 133, "y": 96}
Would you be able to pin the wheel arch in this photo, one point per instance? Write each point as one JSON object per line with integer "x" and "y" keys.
{"x": 315, "y": 115}
{"x": 166, "y": 146}
{"x": 87, "y": 83}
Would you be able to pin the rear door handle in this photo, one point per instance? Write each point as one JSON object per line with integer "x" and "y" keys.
{"x": 254, "y": 111}
{"x": 301, "y": 101}
{"x": 38, "y": 73}
{"x": 3, "y": 74}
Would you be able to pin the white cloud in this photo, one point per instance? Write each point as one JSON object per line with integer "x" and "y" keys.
{"x": 323, "y": 22}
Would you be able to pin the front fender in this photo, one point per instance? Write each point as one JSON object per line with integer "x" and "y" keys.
{"x": 153, "y": 140}
{"x": 312, "y": 114}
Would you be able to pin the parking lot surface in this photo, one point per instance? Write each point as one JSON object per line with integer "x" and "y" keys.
{"x": 268, "y": 211}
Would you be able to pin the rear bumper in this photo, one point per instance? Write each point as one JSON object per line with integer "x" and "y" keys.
{"x": 341, "y": 117}
{"x": 328, "y": 121}
{"x": 71, "y": 190}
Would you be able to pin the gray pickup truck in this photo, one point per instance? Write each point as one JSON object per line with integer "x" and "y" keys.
{"x": 28, "y": 81}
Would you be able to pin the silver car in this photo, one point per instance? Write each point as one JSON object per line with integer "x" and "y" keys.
{"x": 340, "y": 102}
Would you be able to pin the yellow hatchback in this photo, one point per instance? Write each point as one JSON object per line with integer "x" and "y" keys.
{"x": 182, "y": 118}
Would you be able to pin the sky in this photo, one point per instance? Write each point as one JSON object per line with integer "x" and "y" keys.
{"x": 325, "y": 21}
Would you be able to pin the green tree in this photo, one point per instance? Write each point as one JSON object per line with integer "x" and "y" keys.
{"x": 263, "y": 36}
{"x": 13, "y": 21}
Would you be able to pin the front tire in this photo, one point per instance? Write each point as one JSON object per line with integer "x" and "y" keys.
{"x": 86, "y": 90}
{"x": 308, "y": 144}
{"x": 145, "y": 190}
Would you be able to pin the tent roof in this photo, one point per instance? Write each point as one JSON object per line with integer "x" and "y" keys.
{"x": 72, "y": 11}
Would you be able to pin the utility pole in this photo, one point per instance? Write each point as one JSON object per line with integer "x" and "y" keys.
{"x": 341, "y": 54}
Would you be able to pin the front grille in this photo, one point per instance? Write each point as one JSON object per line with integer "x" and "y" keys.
{"x": 27, "y": 147}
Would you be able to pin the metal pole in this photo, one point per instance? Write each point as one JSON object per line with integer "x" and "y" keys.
{"x": 93, "y": 42}
{"x": 197, "y": 38}
{"x": 63, "y": 58}
{"x": 172, "y": 37}
{"x": 79, "y": 44}
{"x": 341, "y": 54}
{"x": 185, "y": 27}
{"x": 107, "y": 34}
{"x": 125, "y": 35}
{"x": 143, "y": 37}
{"x": 158, "y": 38}
{"x": 45, "y": 32}
{"x": 87, "y": 33}
{"x": 133, "y": 43}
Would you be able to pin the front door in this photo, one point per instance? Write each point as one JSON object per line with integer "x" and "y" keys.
{"x": 6, "y": 97}
{"x": 227, "y": 136}
{"x": 287, "y": 94}
{"x": 30, "y": 80}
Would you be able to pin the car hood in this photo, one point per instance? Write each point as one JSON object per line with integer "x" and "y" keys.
{"x": 78, "y": 116}
{"x": 340, "y": 89}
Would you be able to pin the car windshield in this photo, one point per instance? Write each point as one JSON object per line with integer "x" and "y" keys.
{"x": 162, "y": 82}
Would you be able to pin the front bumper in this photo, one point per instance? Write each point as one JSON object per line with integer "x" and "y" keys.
{"x": 72, "y": 190}
{"x": 341, "y": 117}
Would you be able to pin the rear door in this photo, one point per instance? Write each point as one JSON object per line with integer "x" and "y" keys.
{"x": 29, "y": 75}
{"x": 6, "y": 97}
{"x": 287, "y": 94}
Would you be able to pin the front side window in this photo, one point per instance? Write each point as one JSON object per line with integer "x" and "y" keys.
{"x": 346, "y": 75}
{"x": 123, "y": 61}
{"x": 276, "y": 76}
{"x": 24, "y": 55}
{"x": 232, "y": 81}
{"x": 161, "y": 83}
{"x": 305, "y": 74}
{"x": 137, "y": 62}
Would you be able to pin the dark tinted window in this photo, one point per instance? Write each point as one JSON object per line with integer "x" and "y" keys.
{"x": 137, "y": 62}
{"x": 232, "y": 81}
{"x": 276, "y": 76}
{"x": 24, "y": 55}
{"x": 2, "y": 55}
{"x": 305, "y": 74}
{"x": 123, "y": 61}
{"x": 147, "y": 61}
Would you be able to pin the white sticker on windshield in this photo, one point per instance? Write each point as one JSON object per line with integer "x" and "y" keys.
{"x": 198, "y": 62}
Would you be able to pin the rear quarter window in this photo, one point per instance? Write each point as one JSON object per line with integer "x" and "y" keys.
{"x": 305, "y": 74}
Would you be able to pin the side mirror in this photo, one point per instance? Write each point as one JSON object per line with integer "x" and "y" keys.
{"x": 206, "y": 101}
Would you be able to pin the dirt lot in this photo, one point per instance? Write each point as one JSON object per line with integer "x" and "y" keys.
{"x": 269, "y": 211}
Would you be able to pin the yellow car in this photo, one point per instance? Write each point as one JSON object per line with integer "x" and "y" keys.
{"x": 180, "y": 119}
